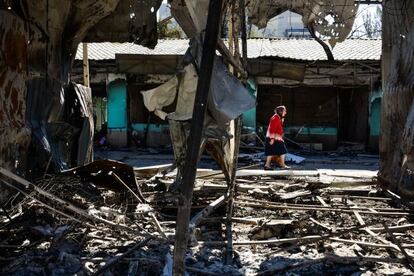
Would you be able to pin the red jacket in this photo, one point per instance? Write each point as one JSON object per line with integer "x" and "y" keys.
{"x": 275, "y": 128}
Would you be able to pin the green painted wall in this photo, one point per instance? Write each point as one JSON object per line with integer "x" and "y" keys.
{"x": 152, "y": 127}
{"x": 312, "y": 130}
{"x": 249, "y": 117}
{"x": 117, "y": 105}
{"x": 100, "y": 109}
{"x": 375, "y": 116}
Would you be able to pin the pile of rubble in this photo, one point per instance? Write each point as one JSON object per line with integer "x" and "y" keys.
{"x": 107, "y": 219}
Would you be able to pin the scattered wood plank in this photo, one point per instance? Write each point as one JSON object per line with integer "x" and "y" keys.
{"x": 221, "y": 173}
{"x": 295, "y": 194}
{"x": 369, "y": 231}
{"x": 397, "y": 197}
{"x": 322, "y": 237}
{"x": 48, "y": 206}
{"x": 324, "y": 204}
{"x": 119, "y": 180}
{"x": 264, "y": 242}
{"x": 371, "y": 259}
{"x": 369, "y": 244}
{"x": 15, "y": 177}
{"x": 322, "y": 209}
{"x": 206, "y": 211}
{"x": 363, "y": 197}
{"x": 66, "y": 205}
{"x": 294, "y": 241}
{"x": 349, "y": 173}
{"x": 240, "y": 187}
{"x": 158, "y": 225}
{"x": 250, "y": 221}
{"x": 320, "y": 224}
{"x": 404, "y": 252}
{"x": 395, "y": 228}
{"x": 150, "y": 171}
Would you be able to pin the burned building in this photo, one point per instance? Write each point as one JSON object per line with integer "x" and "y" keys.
{"x": 328, "y": 101}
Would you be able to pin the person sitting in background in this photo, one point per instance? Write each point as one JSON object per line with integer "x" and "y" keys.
{"x": 275, "y": 148}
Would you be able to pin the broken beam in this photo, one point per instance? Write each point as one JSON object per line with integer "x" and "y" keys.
{"x": 404, "y": 252}
{"x": 302, "y": 208}
{"x": 221, "y": 47}
{"x": 206, "y": 211}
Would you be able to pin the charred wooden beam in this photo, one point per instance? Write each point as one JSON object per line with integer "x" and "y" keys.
{"x": 85, "y": 65}
{"x": 243, "y": 33}
{"x": 235, "y": 62}
{"x": 235, "y": 142}
{"x": 200, "y": 105}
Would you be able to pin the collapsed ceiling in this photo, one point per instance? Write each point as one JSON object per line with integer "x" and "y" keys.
{"x": 331, "y": 18}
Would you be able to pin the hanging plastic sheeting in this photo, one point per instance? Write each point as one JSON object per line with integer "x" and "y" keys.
{"x": 228, "y": 97}
{"x": 161, "y": 96}
{"x": 69, "y": 137}
{"x": 85, "y": 140}
{"x": 44, "y": 104}
{"x": 186, "y": 94}
{"x": 331, "y": 18}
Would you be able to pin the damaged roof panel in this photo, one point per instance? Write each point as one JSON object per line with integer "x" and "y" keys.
{"x": 132, "y": 21}
{"x": 298, "y": 49}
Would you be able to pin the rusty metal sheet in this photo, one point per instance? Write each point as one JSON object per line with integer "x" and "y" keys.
{"x": 100, "y": 172}
{"x": 14, "y": 136}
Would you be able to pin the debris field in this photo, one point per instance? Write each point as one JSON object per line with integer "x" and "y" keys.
{"x": 108, "y": 219}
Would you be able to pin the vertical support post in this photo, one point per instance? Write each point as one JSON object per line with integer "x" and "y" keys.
{"x": 200, "y": 105}
{"x": 85, "y": 65}
{"x": 338, "y": 119}
{"x": 230, "y": 33}
{"x": 235, "y": 130}
{"x": 243, "y": 33}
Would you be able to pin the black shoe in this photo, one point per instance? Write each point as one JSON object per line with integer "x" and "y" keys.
{"x": 266, "y": 168}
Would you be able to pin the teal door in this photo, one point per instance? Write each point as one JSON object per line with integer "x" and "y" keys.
{"x": 249, "y": 117}
{"x": 375, "y": 117}
{"x": 117, "y": 105}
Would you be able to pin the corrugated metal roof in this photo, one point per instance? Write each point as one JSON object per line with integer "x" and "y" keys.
{"x": 298, "y": 49}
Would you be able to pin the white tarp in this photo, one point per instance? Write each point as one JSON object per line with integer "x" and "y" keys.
{"x": 228, "y": 97}
{"x": 165, "y": 94}
{"x": 161, "y": 96}
{"x": 186, "y": 95}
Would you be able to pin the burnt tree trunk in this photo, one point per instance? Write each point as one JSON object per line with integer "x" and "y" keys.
{"x": 397, "y": 119}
